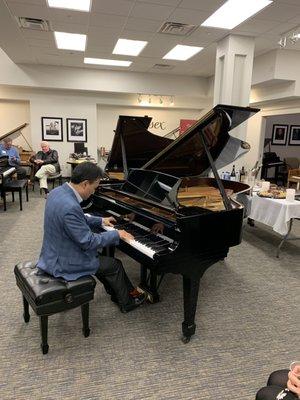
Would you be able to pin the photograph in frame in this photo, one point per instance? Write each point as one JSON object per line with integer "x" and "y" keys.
{"x": 279, "y": 135}
{"x": 294, "y": 139}
{"x": 76, "y": 130}
{"x": 52, "y": 129}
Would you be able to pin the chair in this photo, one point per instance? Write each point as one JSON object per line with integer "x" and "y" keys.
{"x": 294, "y": 177}
{"x": 48, "y": 295}
{"x": 13, "y": 186}
{"x": 292, "y": 162}
{"x": 51, "y": 178}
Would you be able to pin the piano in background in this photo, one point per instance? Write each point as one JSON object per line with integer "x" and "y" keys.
{"x": 133, "y": 145}
{"x": 196, "y": 218}
{"x": 272, "y": 160}
{"x": 6, "y": 171}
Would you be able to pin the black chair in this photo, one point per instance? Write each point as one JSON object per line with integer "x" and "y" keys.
{"x": 48, "y": 295}
{"x": 13, "y": 186}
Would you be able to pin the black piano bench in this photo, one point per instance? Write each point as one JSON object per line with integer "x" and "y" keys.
{"x": 48, "y": 295}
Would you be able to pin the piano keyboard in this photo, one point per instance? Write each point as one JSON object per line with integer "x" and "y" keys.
{"x": 144, "y": 241}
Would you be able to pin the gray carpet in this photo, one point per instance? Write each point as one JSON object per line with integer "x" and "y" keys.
{"x": 247, "y": 326}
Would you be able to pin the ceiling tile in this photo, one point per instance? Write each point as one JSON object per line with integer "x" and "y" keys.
{"x": 151, "y": 11}
{"x": 107, "y": 20}
{"x": 173, "y": 3}
{"x": 142, "y": 24}
{"x": 117, "y": 7}
{"x": 187, "y": 16}
{"x": 204, "y": 5}
{"x": 279, "y": 12}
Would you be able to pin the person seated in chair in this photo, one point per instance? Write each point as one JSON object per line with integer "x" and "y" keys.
{"x": 282, "y": 385}
{"x": 7, "y": 149}
{"x": 70, "y": 247}
{"x": 46, "y": 161}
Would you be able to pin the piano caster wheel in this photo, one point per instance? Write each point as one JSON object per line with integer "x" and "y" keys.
{"x": 86, "y": 332}
{"x": 185, "y": 339}
{"x": 250, "y": 222}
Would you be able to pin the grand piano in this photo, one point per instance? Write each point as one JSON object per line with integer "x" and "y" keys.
{"x": 133, "y": 145}
{"x": 182, "y": 220}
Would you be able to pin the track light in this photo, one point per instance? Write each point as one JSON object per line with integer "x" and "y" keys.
{"x": 139, "y": 98}
{"x": 160, "y": 100}
{"x": 149, "y": 99}
{"x": 172, "y": 100}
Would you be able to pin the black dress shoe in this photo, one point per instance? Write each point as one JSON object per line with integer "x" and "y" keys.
{"x": 134, "y": 303}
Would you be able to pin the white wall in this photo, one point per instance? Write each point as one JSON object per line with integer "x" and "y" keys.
{"x": 287, "y": 150}
{"x": 108, "y": 116}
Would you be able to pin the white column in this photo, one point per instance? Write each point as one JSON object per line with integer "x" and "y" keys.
{"x": 233, "y": 74}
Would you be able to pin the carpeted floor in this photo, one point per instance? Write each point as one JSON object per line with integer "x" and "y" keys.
{"x": 247, "y": 326}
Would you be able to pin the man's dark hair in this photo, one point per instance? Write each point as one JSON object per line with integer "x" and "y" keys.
{"x": 86, "y": 171}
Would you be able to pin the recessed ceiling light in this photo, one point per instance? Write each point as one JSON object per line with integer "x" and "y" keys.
{"x": 104, "y": 61}
{"x": 129, "y": 47}
{"x": 70, "y": 41}
{"x": 182, "y": 53}
{"x": 234, "y": 12}
{"x": 78, "y": 5}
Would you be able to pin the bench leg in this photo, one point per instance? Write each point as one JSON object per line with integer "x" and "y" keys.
{"x": 20, "y": 198}
{"x": 26, "y": 314}
{"x": 85, "y": 319}
{"x": 4, "y": 200}
{"x": 44, "y": 333}
{"x": 26, "y": 189}
{"x": 13, "y": 196}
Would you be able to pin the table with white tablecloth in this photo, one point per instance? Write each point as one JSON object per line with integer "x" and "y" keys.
{"x": 276, "y": 213}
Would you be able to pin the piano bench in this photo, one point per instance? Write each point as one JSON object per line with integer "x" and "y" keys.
{"x": 48, "y": 295}
{"x": 13, "y": 186}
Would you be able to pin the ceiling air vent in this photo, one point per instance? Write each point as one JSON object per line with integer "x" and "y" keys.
{"x": 34, "y": 23}
{"x": 176, "y": 28}
{"x": 163, "y": 66}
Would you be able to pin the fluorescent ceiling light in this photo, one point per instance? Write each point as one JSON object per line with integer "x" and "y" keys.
{"x": 234, "y": 12}
{"x": 129, "y": 47}
{"x": 182, "y": 53}
{"x": 78, "y": 5}
{"x": 70, "y": 41}
{"x": 104, "y": 61}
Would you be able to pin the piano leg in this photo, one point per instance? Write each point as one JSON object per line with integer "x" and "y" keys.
{"x": 190, "y": 298}
{"x": 150, "y": 289}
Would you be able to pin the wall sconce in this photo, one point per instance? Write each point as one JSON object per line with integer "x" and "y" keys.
{"x": 160, "y": 100}
{"x": 139, "y": 98}
{"x": 172, "y": 100}
{"x": 149, "y": 99}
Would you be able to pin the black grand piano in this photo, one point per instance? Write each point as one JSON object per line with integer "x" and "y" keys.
{"x": 195, "y": 218}
{"x": 133, "y": 144}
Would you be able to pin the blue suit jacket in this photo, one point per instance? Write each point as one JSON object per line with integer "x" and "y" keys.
{"x": 69, "y": 247}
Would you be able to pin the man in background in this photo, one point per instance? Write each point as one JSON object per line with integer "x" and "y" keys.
{"x": 47, "y": 163}
{"x": 7, "y": 149}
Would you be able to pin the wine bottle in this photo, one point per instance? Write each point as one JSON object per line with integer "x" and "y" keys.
{"x": 242, "y": 175}
{"x": 233, "y": 174}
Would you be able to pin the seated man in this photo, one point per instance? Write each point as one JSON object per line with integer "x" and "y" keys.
{"x": 7, "y": 149}
{"x": 70, "y": 248}
{"x": 47, "y": 164}
{"x": 282, "y": 384}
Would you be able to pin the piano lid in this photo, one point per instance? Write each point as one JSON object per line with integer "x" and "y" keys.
{"x": 140, "y": 144}
{"x": 186, "y": 155}
{"x": 15, "y": 133}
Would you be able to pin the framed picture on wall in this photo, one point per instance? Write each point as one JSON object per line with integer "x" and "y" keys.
{"x": 76, "y": 130}
{"x": 52, "y": 129}
{"x": 279, "y": 135}
{"x": 294, "y": 139}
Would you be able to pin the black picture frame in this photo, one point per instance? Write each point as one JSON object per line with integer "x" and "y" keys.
{"x": 279, "y": 135}
{"x": 294, "y": 137}
{"x": 76, "y": 130}
{"x": 52, "y": 129}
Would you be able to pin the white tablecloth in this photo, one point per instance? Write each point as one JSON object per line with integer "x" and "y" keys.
{"x": 275, "y": 213}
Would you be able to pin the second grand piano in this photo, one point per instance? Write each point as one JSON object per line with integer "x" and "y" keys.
{"x": 195, "y": 218}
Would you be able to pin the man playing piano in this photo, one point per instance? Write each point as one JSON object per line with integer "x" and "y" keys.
{"x": 70, "y": 247}
{"x": 7, "y": 149}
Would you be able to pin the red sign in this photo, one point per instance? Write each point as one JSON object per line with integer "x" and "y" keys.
{"x": 186, "y": 124}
